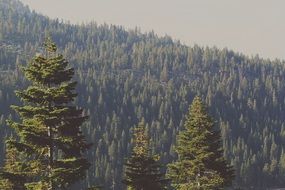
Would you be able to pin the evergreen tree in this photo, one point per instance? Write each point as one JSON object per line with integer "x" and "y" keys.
{"x": 200, "y": 163}
{"x": 49, "y": 131}
{"x": 143, "y": 171}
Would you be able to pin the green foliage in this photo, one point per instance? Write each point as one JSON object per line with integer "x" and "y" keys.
{"x": 200, "y": 163}
{"x": 12, "y": 177}
{"x": 143, "y": 171}
{"x": 125, "y": 76}
{"x": 49, "y": 131}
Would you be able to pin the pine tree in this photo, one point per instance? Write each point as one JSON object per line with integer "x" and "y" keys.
{"x": 200, "y": 163}
{"x": 49, "y": 131}
{"x": 143, "y": 171}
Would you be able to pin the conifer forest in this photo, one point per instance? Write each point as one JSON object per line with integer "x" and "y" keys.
{"x": 89, "y": 106}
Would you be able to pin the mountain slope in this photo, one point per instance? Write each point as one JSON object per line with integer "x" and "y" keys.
{"x": 125, "y": 76}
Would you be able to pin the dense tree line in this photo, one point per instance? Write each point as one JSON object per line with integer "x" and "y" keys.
{"x": 127, "y": 76}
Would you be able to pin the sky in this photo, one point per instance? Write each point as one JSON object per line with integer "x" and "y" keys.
{"x": 247, "y": 26}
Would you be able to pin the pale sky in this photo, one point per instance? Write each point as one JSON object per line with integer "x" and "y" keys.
{"x": 247, "y": 26}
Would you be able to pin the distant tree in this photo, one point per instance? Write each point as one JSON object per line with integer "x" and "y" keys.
{"x": 200, "y": 163}
{"x": 49, "y": 131}
{"x": 143, "y": 171}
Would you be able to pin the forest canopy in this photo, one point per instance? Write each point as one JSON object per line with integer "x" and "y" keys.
{"x": 128, "y": 76}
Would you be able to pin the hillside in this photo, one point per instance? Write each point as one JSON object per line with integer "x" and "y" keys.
{"x": 126, "y": 76}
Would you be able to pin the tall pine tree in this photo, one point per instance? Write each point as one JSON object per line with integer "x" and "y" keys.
{"x": 143, "y": 171}
{"x": 49, "y": 132}
{"x": 200, "y": 163}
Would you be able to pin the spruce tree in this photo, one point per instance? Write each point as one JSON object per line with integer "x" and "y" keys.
{"x": 200, "y": 163}
{"x": 143, "y": 171}
{"x": 49, "y": 131}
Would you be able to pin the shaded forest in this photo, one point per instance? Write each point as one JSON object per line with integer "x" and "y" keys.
{"x": 128, "y": 76}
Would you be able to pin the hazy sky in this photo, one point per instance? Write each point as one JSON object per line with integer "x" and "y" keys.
{"x": 247, "y": 26}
